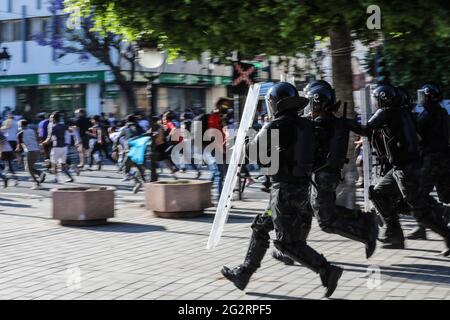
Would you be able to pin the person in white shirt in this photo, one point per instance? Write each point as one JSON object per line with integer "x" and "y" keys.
{"x": 10, "y": 129}
{"x": 28, "y": 143}
{"x": 8, "y": 156}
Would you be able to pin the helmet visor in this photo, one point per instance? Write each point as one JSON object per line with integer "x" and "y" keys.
{"x": 271, "y": 105}
{"x": 422, "y": 98}
{"x": 376, "y": 103}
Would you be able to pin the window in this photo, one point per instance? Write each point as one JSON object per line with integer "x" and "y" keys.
{"x": 180, "y": 99}
{"x": 38, "y": 4}
{"x": 38, "y": 27}
{"x": 63, "y": 98}
{"x": 10, "y": 31}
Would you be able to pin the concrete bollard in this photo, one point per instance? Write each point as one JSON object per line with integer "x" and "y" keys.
{"x": 179, "y": 198}
{"x": 83, "y": 205}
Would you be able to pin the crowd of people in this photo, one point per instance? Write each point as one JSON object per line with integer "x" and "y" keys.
{"x": 69, "y": 145}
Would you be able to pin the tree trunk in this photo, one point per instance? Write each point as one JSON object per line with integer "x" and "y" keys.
{"x": 130, "y": 97}
{"x": 341, "y": 48}
{"x": 126, "y": 88}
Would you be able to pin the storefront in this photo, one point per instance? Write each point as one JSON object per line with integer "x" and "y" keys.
{"x": 64, "y": 92}
{"x": 96, "y": 92}
{"x": 63, "y": 98}
{"x": 179, "y": 92}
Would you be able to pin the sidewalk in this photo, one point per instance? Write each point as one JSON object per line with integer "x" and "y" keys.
{"x": 138, "y": 256}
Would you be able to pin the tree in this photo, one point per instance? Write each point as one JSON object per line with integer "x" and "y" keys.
{"x": 282, "y": 28}
{"x": 410, "y": 68}
{"x": 105, "y": 46}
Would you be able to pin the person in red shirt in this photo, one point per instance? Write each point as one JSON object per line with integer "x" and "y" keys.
{"x": 169, "y": 128}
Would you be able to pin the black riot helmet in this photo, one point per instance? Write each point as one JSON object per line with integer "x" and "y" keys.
{"x": 316, "y": 83}
{"x": 283, "y": 96}
{"x": 321, "y": 96}
{"x": 386, "y": 96}
{"x": 429, "y": 94}
{"x": 405, "y": 98}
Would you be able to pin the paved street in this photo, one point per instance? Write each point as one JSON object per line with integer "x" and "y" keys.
{"x": 139, "y": 256}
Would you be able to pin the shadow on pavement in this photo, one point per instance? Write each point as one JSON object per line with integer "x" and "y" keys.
{"x": 206, "y": 235}
{"x": 275, "y": 296}
{"x": 209, "y": 217}
{"x": 122, "y": 227}
{"x": 431, "y": 259}
{"x": 24, "y": 215}
{"x": 424, "y": 250}
{"x": 5, "y": 199}
{"x": 415, "y": 273}
{"x": 15, "y": 205}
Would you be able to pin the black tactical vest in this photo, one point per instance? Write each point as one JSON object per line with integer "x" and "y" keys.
{"x": 400, "y": 137}
{"x": 296, "y": 148}
{"x": 332, "y": 136}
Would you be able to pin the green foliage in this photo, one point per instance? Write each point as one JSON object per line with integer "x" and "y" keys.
{"x": 416, "y": 32}
{"x": 410, "y": 65}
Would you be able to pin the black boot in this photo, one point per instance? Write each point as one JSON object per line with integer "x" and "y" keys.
{"x": 307, "y": 256}
{"x": 363, "y": 227}
{"x": 418, "y": 233}
{"x": 240, "y": 276}
{"x": 283, "y": 258}
{"x": 436, "y": 223}
{"x": 330, "y": 276}
{"x": 393, "y": 235}
{"x": 446, "y": 252}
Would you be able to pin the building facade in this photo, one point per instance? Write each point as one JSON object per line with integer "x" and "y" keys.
{"x": 37, "y": 81}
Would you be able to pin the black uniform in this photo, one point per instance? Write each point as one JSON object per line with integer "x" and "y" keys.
{"x": 332, "y": 135}
{"x": 434, "y": 130}
{"x": 289, "y": 210}
{"x": 404, "y": 179}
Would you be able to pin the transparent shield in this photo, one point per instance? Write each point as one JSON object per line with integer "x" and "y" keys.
{"x": 224, "y": 205}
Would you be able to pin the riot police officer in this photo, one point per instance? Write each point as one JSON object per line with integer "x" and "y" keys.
{"x": 332, "y": 136}
{"x": 432, "y": 124}
{"x": 289, "y": 211}
{"x": 404, "y": 179}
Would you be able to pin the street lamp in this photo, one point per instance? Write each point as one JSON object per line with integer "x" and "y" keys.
{"x": 152, "y": 58}
{"x": 5, "y": 59}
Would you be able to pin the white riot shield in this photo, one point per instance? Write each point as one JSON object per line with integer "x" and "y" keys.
{"x": 366, "y": 112}
{"x": 223, "y": 208}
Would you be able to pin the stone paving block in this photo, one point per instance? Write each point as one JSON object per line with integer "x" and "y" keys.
{"x": 143, "y": 257}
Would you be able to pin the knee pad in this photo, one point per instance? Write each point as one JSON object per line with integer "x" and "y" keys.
{"x": 262, "y": 224}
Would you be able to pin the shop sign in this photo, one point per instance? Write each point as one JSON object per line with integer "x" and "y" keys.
{"x": 21, "y": 80}
{"x": 77, "y": 77}
{"x": 192, "y": 79}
